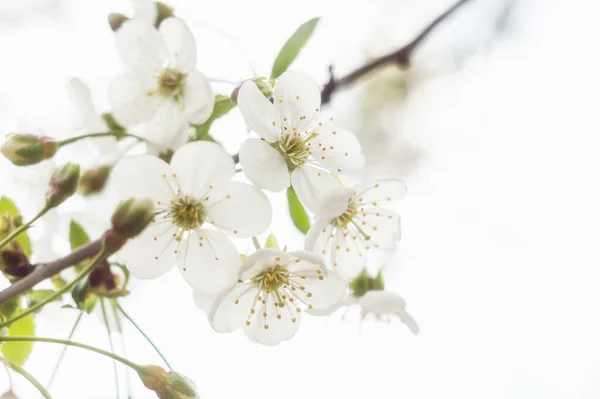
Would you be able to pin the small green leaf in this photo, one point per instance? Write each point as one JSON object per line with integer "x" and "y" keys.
{"x": 77, "y": 235}
{"x": 223, "y": 104}
{"x": 292, "y": 47}
{"x": 36, "y": 296}
{"x": 18, "y": 352}
{"x": 7, "y": 207}
{"x": 297, "y": 211}
{"x": 271, "y": 242}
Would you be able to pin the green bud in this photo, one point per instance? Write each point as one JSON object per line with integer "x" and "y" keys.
{"x": 163, "y": 12}
{"x": 129, "y": 219}
{"x": 93, "y": 180}
{"x": 28, "y": 149}
{"x": 115, "y": 21}
{"x": 63, "y": 184}
{"x": 167, "y": 385}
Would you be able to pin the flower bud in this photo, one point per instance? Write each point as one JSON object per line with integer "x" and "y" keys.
{"x": 115, "y": 21}
{"x": 9, "y": 394}
{"x": 14, "y": 262}
{"x": 28, "y": 149}
{"x": 129, "y": 219}
{"x": 93, "y": 180}
{"x": 263, "y": 85}
{"x": 63, "y": 184}
{"x": 167, "y": 385}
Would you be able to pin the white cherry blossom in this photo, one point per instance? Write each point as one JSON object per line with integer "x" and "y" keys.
{"x": 295, "y": 142}
{"x": 383, "y": 305}
{"x": 344, "y": 240}
{"x": 161, "y": 85}
{"x": 195, "y": 190}
{"x": 275, "y": 288}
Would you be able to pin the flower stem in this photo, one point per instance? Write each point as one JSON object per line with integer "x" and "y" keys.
{"x": 116, "y": 134}
{"x": 256, "y": 243}
{"x": 114, "y": 356}
{"x": 111, "y": 345}
{"x": 62, "y": 354}
{"x": 117, "y": 317}
{"x": 23, "y": 227}
{"x": 29, "y": 377}
{"x": 102, "y": 254}
{"x": 118, "y": 306}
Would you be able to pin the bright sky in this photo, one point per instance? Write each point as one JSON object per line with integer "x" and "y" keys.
{"x": 498, "y": 261}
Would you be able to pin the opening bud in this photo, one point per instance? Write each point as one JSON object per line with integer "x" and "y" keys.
{"x": 63, "y": 184}
{"x": 167, "y": 384}
{"x": 129, "y": 219}
{"x": 263, "y": 84}
{"x": 93, "y": 180}
{"x": 28, "y": 149}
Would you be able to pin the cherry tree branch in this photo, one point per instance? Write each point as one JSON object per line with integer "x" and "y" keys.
{"x": 46, "y": 270}
{"x": 400, "y": 57}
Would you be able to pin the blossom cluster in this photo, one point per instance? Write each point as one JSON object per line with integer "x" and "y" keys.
{"x": 203, "y": 206}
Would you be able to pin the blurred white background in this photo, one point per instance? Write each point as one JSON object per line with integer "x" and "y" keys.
{"x": 496, "y": 131}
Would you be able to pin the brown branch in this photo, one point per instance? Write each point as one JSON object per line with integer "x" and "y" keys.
{"x": 400, "y": 57}
{"x": 46, "y": 270}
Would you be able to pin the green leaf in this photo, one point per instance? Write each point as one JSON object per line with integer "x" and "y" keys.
{"x": 77, "y": 235}
{"x": 292, "y": 47}
{"x": 297, "y": 211}
{"x": 271, "y": 242}
{"x": 223, "y": 104}
{"x": 36, "y": 296}
{"x": 18, "y": 352}
{"x": 8, "y": 208}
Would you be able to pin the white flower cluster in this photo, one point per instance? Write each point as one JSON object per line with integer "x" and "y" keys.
{"x": 200, "y": 207}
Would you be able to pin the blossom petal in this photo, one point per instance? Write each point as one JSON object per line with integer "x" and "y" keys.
{"x": 260, "y": 261}
{"x": 232, "y": 308}
{"x": 180, "y": 44}
{"x": 130, "y": 102}
{"x": 387, "y": 303}
{"x": 204, "y": 302}
{"x": 239, "y": 210}
{"x": 165, "y": 126}
{"x": 143, "y": 176}
{"x": 198, "y": 97}
{"x": 263, "y": 165}
{"x": 145, "y": 11}
{"x": 318, "y": 236}
{"x": 208, "y": 261}
{"x": 202, "y": 167}
{"x": 337, "y": 149}
{"x": 347, "y": 254}
{"x": 320, "y": 192}
{"x": 81, "y": 101}
{"x": 152, "y": 253}
{"x": 384, "y": 189}
{"x": 297, "y": 97}
{"x": 142, "y": 50}
{"x": 382, "y": 225}
{"x": 260, "y": 115}
{"x": 272, "y": 324}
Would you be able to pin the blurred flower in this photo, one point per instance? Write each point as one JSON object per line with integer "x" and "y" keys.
{"x": 344, "y": 240}
{"x": 161, "y": 85}
{"x": 296, "y": 142}
{"x": 191, "y": 192}
{"x": 28, "y": 149}
{"x": 383, "y": 305}
{"x": 275, "y": 288}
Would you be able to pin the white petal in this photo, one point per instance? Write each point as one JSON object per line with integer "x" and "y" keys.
{"x": 260, "y": 261}
{"x": 337, "y": 149}
{"x": 180, "y": 43}
{"x": 198, "y": 97}
{"x": 409, "y": 321}
{"x": 162, "y": 144}
{"x": 143, "y": 176}
{"x": 317, "y": 236}
{"x": 387, "y": 303}
{"x": 202, "y": 167}
{"x": 263, "y": 165}
{"x": 320, "y": 192}
{"x": 239, "y": 210}
{"x": 232, "y": 309}
{"x": 204, "y": 302}
{"x": 271, "y": 329}
{"x": 381, "y": 225}
{"x": 81, "y": 101}
{"x": 297, "y": 97}
{"x": 208, "y": 261}
{"x": 166, "y": 124}
{"x": 348, "y": 300}
{"x": 347, "y": 254}
{"x": 380, "y": 191}
{"x": 258, "y": 112}
{"x": 152, "y": 253}
{"x": 142, "y": 50}
{"x": 130, "y": 102}
{"x": 145, "y": 11}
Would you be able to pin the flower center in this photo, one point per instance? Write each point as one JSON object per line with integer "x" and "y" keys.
{"x": 187, "y": 213}
{"x": 272, "y": 279}
{"x": 345, "y": 218}
{"x": 171, "y": 83}
{"x": 295, "y": 148}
